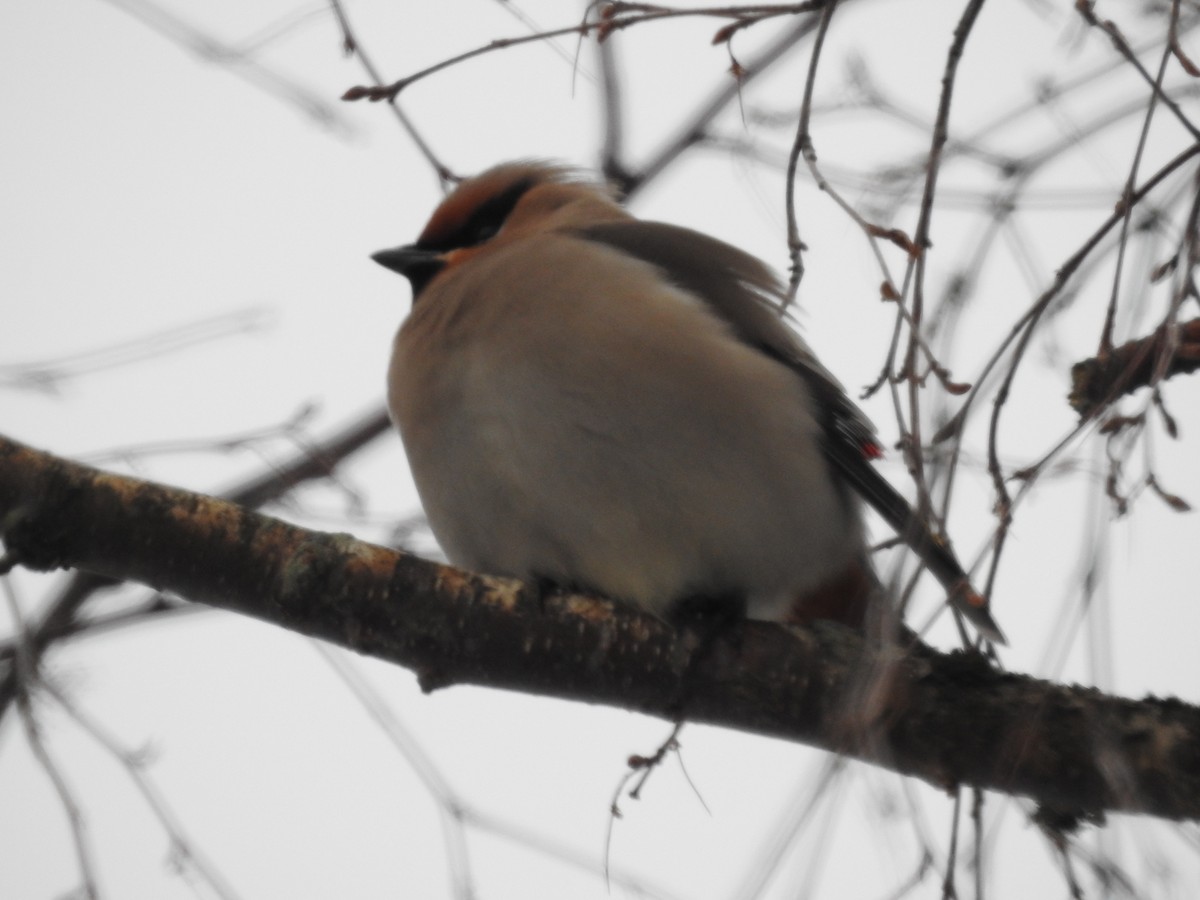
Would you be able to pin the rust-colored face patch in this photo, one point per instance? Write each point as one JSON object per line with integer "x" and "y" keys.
{"x": 477, "y": 209}
{"x": 454, "y": 258}
{"x": 454, "y": 213}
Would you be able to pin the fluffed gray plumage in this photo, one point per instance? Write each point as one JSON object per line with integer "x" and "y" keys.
{"x": 613, "y": 405}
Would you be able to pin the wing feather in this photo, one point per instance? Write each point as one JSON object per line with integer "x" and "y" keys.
{"x": 742, "y": 290}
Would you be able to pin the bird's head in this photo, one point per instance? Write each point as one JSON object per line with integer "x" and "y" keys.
{"x": 509, "y": 202}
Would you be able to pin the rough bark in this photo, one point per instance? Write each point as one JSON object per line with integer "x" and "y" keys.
{"x": 318, "y": 461}
{"x": 1167, "y": 351}
{"x": 950, "y": 719}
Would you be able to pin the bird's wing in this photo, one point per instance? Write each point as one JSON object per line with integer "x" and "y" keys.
{"x": 741, "y": 290}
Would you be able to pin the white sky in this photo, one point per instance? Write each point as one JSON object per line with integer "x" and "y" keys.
{"x": 142, "y": 189}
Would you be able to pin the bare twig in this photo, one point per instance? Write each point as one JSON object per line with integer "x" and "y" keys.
{"x": 182, "y": 847}
{"x": 922, "y": 242}
{"x": 238, "y": 60}
{"x": 1110, "y": 316}
{"x": 51, "y": 374}
{"x": 613, "y": 17}
{"x": 25, "y": 675}
{"x": 1086, "y": 9}
{"x": 1021, "y": 333}
{"x": 803, "y": 146}
{"x": 351, "y": 44}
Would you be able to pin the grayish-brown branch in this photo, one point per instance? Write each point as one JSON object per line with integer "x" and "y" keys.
{"x": 948, "y": 719}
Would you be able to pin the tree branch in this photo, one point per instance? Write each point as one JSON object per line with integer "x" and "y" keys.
{"x": 1097, "y": 381}
{"x": 314, "y": 462}
{"x": 948, "y": 719}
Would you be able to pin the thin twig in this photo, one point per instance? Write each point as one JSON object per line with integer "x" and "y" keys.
{"x": 1110, "y": 316}
{"x": 25, "y": 673}
{"x": 922, "y": 242}
{"x": 802, "y": 146}
{"x": 352, "y": 45}
{"x": 182, "y": 847}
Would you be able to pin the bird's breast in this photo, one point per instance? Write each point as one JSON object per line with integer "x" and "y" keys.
{"x": 567, "y": 414}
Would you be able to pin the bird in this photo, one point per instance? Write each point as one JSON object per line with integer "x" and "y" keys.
{"x": 601, "y": 403}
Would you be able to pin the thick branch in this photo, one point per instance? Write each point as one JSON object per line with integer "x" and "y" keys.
{"x": 1098, "y": 381}
{"x": 318, "y": 461}
{"x": 948, "y": 719}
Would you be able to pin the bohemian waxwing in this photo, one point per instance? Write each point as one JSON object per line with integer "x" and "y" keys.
{"x": 614, "y": 406}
